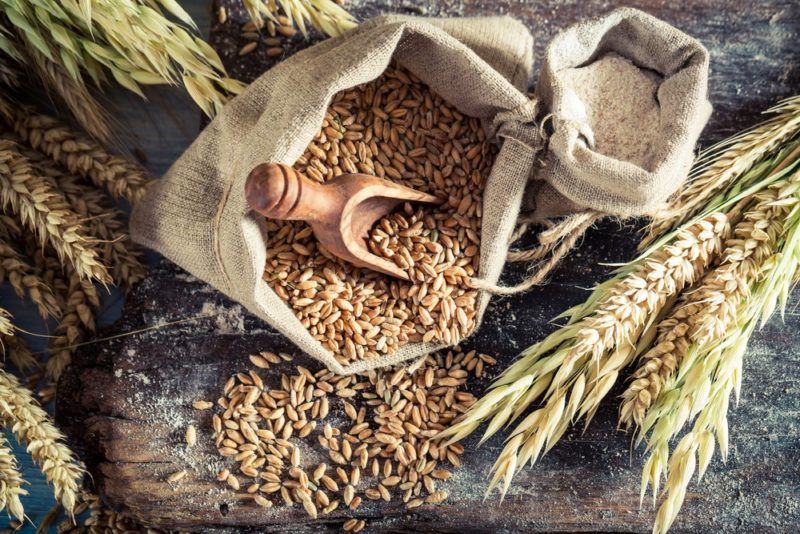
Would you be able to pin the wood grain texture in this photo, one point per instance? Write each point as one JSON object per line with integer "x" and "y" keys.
{"x": 126, "y": 401}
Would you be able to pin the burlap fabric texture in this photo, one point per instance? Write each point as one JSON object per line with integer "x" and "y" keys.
{"x": 197, "y": 216}
{"x": 576, "y": 177}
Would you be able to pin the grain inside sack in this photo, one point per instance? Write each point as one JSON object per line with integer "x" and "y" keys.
{"x": 398, "y": 129}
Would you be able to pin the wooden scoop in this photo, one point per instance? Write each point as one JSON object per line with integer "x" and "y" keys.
{"x": 341, "y": 212}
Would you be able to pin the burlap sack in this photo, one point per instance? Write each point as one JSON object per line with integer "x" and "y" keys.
{"x": 576, "y": 177}
{"x": 196, "y": 215}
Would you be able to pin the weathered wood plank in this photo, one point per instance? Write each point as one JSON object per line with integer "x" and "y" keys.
{"x": 126, "y": 400}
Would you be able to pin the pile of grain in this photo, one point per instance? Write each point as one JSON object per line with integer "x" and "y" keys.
{"x": 378, "y": 440}
{"x": 395, "y": 128}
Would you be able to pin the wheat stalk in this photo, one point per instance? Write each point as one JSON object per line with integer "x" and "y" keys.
{"x": 19, "y": 353}
{"x": 104, "y": 222}
{"x": 44, "y": 211}
{"x": 759, "y": 265}
{"x": 326, "y": 16}
{"x": 6, "y": 326}
{"x": 32, "y": 426}
{"x": 24, "y": 280}
{"x": 722, "y": 164}
{"x": 78, "y": 318}
{"x": 10, "y": 482}
{"x": 132, "y": 40}
{"x": 78, "y": 153}
{"x": 571, "y": 370}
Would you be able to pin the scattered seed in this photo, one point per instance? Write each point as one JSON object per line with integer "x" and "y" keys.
{"x": 177, "y": 476}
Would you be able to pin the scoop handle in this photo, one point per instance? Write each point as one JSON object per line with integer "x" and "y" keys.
{"x": 277, "y": 191}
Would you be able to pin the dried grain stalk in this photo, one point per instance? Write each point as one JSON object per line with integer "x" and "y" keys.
{"x": 570, "y": 371}
{"x": 78, "y": 319}
{"x": 44, "y": 211}
{"x": 31, "y": 425}
{"x": 86, "y": 110}
{"x": 726, "y": 163}
{"x": 758, "y": 269}
{"x": 132, "y": 40}
{"x": 18, "y": 353}
{"x": 10, "y": 482}
{"x": 6, "y": 326}
{"x": 24, "y": 280}
{"x": 78, "y": 153}
{"x": 102, "y": 220}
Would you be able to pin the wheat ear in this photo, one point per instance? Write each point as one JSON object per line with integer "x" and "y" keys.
{"x": 86, "y": 110}
{"x": 720, "y": 165}
{"x": 6, "y": 326}
{"x": 102, "y": 219}
{"x": 10, "y": 482}
{"x": 759, "y": 265}
{"x": 23, "y": 279}
{"x": 573, "y": 369}
{"x": 44, "y": 211}
{"x": 32, "y": 426}
{"x": 78, "y": 318}
{"x": 19, "y": 353}
{"x": 78, "y": 153}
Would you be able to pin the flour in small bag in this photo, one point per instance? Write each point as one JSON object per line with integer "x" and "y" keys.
{"x": 618, "y": 101}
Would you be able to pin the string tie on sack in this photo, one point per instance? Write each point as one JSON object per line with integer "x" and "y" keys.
{"x": 520, "y": 125}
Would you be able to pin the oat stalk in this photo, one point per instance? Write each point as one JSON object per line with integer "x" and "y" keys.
{"x": 133, "y": 41}
{"x": 571, "y": 370}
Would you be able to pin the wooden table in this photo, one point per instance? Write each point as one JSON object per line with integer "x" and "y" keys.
{"x": 125, "y": 401}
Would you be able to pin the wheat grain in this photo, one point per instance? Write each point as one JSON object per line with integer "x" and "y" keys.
{"x": 408, "y": 407}
{"x": 43, "y": 210}
{"x": 24, "y": 280}
{"x": 78, "y": 153}
{"x": 398, "y": 129}
{"x": 571, "y": 370}
{"x": 32, "y": 426}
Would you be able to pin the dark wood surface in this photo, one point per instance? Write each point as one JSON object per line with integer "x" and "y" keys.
{"x": 126, "y": 401}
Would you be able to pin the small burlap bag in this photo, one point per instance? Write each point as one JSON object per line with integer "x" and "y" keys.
{"x": 574, "y": 176}
{"x": 197, "y": 216}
